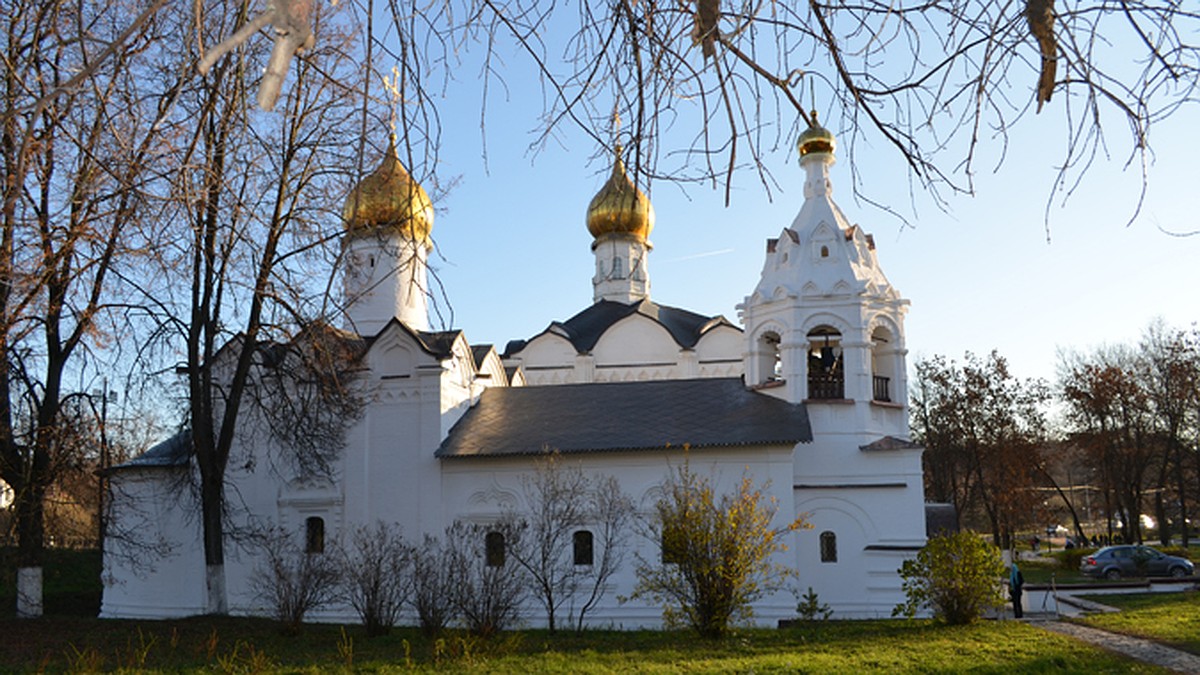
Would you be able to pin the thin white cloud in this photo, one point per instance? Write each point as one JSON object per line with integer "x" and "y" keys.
{"x": 707, "y": 254}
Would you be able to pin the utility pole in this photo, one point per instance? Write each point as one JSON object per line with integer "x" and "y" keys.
{"x": 102, "y": 471}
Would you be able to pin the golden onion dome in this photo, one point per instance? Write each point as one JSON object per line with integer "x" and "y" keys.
{"x": 815, "y": 138}
{"x": 619, "y": 207}
{"x": 389, "y": 199}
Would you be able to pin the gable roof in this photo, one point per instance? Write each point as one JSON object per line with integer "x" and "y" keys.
{"x": 891, "y": 443}
{"x": 605, "y": 417}
{"x": 585, "y": 329}
{"x": 439, "y": 344}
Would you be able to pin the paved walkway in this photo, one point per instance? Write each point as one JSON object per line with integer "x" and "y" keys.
{"x": 1045, "y": 609}
{"x": 1135, "y": 648}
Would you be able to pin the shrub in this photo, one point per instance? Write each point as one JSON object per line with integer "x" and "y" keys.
{"x": 375, "y": 575}
{"x": 562, "y": 504}
{"x": 810, "y": 608}
{"x": 433, "y": 578}
{"x": 293, "y": 581}
{"x": 1070, "y": 558}
{"x": 716, "y": 553}
{"x": 487, "y": 585}
{"x": 957, "y": 576}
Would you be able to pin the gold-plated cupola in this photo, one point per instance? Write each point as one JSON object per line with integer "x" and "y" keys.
{"x": 389, "y": 200}
{"x": 815, "y": 138}
{"x": 619, "y": 207}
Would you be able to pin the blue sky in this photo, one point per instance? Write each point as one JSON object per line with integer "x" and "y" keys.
{"x": 514, "y": 251}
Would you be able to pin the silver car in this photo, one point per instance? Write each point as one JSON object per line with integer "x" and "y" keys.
{"x": 1114, "y": 562}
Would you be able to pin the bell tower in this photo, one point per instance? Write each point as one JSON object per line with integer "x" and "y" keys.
{"x": 388, "y": 218}
{"x": 824, "y": 325}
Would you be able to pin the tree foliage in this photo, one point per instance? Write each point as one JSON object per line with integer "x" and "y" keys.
{"x": 717, "y": 552}
{"x": 75, "y": 161}
{"x": 1135, "y": 414}
{"x": 245, "y": 217}
{"x": 956, "y": 576}
{"x": 982, "y": 429}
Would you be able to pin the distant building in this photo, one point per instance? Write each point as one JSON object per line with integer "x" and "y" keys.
{"x": 809, "y": 394}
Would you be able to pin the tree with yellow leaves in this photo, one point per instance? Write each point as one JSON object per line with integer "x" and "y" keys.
{"x": 717, "y": 552}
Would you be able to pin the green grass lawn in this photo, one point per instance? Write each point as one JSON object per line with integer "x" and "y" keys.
{"x": 70, "y": 640}
{"x": 254, "y": 645}
{"x": 1170, "y": 618}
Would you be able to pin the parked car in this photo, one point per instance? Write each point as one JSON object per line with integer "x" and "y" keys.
{"x": 1114, "y": 562}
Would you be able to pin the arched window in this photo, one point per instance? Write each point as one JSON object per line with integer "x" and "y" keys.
{"x": 828, "y": 547}
{"x": 824, "y": 251}
{"x": 583, "y": 547}
{"x": 314, "y": 535}
{"x": 770, "y": 360}
{"x": 494, "y": 549}
{"x": 826, "y": 376}
{"x": 616, "y": 269}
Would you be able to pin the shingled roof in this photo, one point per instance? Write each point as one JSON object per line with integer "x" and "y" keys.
{"x": 605, "y": 417}
{"x": 585, "y": 328}
{"x": 175, "y": 451}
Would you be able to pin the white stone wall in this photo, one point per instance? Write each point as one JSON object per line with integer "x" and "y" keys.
{"x": 622, "y": 271}
{"x": 153, "y": 559}
{"x": 385, "y": 277}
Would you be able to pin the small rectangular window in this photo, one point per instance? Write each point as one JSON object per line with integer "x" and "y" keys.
{"x": 583, "y": 547}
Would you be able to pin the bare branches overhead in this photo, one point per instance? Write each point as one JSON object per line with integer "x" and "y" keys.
{"x": 709, "y": 86}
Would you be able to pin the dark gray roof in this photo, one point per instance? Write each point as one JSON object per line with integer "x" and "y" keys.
{"x": 585, "y": 328}
{"x": 715, "y": 412}
{"x": 479, "y": 353}
{"x": 940, "y": 519}
{"x": 175, "y": 451}
{"x": 438, "y": 343}
{"x": 890, "y": 443}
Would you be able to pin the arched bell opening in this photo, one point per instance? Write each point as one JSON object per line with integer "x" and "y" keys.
{"x": 769, "y": 367}
{"x": 826, "y": 370}
{"x": 884, "y": 363}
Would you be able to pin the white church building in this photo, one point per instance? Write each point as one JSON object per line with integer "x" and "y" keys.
{"x": 807, "y": 396}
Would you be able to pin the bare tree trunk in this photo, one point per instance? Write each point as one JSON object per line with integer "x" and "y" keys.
{"x": 1066, "y": 500}
{"x": 30, "y": 550}
{"x": 212, "y": 506}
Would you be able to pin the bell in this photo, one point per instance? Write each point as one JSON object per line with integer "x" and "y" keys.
{"x": 828, "y": 358}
